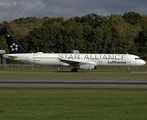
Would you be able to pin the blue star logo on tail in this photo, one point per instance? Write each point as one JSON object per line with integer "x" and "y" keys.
{"x": 14, "y": 47}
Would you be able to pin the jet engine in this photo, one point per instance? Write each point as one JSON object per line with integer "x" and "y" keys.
{"x": 87, "y": 67}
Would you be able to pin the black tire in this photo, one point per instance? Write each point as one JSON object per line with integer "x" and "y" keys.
{"x": 74, "y": 70}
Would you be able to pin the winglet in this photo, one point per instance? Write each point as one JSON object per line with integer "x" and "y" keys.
{"x": 13, "y": 45}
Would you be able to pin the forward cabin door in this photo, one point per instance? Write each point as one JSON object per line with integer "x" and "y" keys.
{"x": 128, "y": 59}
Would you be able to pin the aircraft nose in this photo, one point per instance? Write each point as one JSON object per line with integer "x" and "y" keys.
{"x": 144, "y": 62}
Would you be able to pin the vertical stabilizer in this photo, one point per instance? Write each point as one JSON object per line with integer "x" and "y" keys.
{"x": 13, "y": 45}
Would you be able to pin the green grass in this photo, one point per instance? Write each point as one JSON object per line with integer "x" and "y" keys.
{"x": 72, "y": 104}
{"x": 72, "y": 76}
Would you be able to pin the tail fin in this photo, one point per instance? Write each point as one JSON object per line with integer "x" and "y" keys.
{"x": 14, "y": 46}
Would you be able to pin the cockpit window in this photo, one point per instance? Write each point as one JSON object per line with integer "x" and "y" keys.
{"x": 137, "y": 59}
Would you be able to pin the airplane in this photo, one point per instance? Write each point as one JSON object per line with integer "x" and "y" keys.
{"x": 75, "y": 60}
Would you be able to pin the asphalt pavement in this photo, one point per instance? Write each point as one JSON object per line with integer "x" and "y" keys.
{"x": 132, "y": 84}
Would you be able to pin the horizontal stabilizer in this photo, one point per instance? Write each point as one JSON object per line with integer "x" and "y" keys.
{"x": 9, "y": 56}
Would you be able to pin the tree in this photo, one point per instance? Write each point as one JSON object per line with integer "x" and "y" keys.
{"x": 73, "y": 38}
{"x": 123, "y": 33}
{"x": 3, "y": 28}
{"x": 107, "y": 44}
{"x": 132, "y": 17}
{"x": 45, "y": 38}
{"x": 58, "y": 20}
{"x": 143, "y": 48}
{"x": 90, "y": 19}
{"x": 88, "y": 37}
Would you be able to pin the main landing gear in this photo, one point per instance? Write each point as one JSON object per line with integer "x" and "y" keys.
{"x": 74, "y": 70}
{"x": 128, "y": 69}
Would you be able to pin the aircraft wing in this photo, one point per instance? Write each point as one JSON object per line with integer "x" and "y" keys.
{"x": 76, "y": 62}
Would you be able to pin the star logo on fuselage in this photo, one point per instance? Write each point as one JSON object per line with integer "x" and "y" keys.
{"x": 14, "y": 47}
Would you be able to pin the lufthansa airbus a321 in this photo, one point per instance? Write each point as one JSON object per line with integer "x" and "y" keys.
{"x": 75, "y": 60}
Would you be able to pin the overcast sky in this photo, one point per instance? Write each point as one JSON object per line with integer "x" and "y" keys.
{"x": 14, "y": 9}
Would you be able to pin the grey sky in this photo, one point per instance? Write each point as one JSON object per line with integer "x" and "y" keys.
{"x": 14, "y": 9}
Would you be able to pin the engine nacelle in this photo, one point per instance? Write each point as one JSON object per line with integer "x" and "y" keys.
{"x": 87, "y": 67}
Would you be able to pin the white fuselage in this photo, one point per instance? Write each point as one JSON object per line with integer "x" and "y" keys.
{"x": 64, "y": 59}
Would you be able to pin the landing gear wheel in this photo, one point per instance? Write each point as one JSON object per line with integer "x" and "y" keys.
{"x": 74, "y": 70}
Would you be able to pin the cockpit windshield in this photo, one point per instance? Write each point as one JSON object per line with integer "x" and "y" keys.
{"x": 137, "y": 59}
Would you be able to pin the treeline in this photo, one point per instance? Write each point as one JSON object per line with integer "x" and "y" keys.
{"x": 89, "y": 34}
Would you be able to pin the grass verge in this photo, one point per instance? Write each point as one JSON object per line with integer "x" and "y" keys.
{"x": 72, "y": 76}
{"x": 72, "y": 104}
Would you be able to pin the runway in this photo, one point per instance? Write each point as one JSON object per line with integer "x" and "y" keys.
{"x": 68, "y": 72}
{"x": 133, "y": 84}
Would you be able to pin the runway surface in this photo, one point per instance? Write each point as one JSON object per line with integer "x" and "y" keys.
{"x": 68, "y": 71}
{"x": 133, "y": 84}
